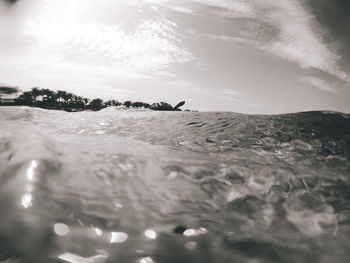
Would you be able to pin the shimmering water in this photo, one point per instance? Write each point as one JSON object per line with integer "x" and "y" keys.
{"x": 126, "y": 186}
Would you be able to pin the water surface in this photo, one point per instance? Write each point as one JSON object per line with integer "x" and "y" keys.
{"x": 142, "y": 186}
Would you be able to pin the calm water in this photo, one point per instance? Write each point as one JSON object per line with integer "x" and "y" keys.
{"x": 126, "y": 186}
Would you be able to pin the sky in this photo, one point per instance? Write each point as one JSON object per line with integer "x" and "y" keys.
{"x": 249, "y": 56}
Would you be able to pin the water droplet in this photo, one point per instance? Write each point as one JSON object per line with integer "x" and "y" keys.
{"x": 190, "y": 232}
{"x": 118, "y": 205}
{"x": 150, "y": 234}
{"x": 61, "y": 229}
{"x": 30, "y": 171}
{"x": 118, "y": 237}
{"x": 27, "y": 200}
{"x": 98, "y": 231}
{"x": 172, "y": 175}
{"x": 73, "y": 258}
{"x": 146, "y": 260}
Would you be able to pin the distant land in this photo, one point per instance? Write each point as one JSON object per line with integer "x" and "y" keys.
{"x": 67, "y": 101}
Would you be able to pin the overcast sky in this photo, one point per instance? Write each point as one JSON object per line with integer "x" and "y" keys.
{"x": 251, "y": 56}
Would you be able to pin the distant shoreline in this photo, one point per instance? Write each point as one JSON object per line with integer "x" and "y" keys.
{"x": 88, "y": 110}
{"x": 66, "y": 101}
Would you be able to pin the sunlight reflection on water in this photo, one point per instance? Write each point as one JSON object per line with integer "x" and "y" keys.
{"x": 118, "y": 237}
{"x": 27, "y": 200}
{"x": 27, "y": 197}
{"x": 61, "y": 229}
{"x": 150, "y": 234}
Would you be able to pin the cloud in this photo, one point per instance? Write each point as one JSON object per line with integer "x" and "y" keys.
{"x": 147, "y": 50}
{"x": 228, "y": 39}
{"x": 235, "y": 8}
{"x": 179, "y": 6}
{"x": 320, "y": 84}
{"x": 182, "y": 9}
{"x": 298, "y": 38}
{"x": 284, "y": 28}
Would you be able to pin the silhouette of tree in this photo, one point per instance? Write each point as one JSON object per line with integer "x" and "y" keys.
{"x": 162, "y": 106}
{"x": 62, "y": 100}
{"x": 69, "y": 97}
{"x": 36, "y": 93}
{"x": 26, "y": 98}
{"x": 127, "y": 103}
{"x": 96, "y": 104}
{"x": 77, "y": 102}
{"x": 109, "y": 103}
{"x": 180, "y": 104}
{"x": 60, "y": 96}
{"x": 49, "y": 96}
{"x": 139, "y": 104}
{"x": 86, "y": 101}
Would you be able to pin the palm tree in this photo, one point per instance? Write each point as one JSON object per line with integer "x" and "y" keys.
{"x": 49, "y": 97}
{"x": 162, "y": 106}
{"x": 79, "y": 102}
{"x": 109, "y": 103}
{"x": 36, "y": 92}
{"x": 26, "y": 98}
{"x": 180, "y": 104}
{"x": 96, "y": 104}
{"x": 86, "y": 101}
{"x": 127, "y": 103}
{"x": 68, "y": 101}
{"x": 60, "y": 96}
{"x": 68, "y": 97}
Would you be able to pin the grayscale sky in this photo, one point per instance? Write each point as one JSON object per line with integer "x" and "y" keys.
{"x": 251, "y": 56}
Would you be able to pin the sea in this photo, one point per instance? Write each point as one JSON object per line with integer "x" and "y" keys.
{"x": 173, "y": 187}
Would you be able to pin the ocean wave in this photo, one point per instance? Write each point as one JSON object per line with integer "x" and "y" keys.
{"x": 143, "y": 186}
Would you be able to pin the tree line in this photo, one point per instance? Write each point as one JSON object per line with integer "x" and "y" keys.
{"x": 67, "y": 101}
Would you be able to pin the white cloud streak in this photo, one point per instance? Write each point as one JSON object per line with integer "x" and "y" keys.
{"x": 320, "y": 84}
{"x": 228, "y": 39}
{"x": 284, "y": 28}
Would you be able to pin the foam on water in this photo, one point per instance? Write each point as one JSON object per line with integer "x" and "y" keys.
{"x": 143, "y": 186}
